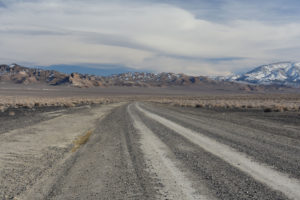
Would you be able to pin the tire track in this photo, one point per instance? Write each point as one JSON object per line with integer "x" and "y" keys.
{"x": 175, "y": 184}
{"x": 223, "y": 181}
{"x": 278, "y": 151}
{"x": 260, "y": 172}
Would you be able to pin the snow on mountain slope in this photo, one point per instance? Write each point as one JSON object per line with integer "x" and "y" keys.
{"x": 283, "y": 73}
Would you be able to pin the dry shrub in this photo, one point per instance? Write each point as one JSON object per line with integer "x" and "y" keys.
{"x": 199, "y": 105}
{"x": 11, "y": 113}
{"x": 69, "y": 104}
{"x": 3, "y": 108}
{"x": 268, "y": 110}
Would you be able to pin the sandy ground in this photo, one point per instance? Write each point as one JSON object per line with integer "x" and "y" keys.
{"x": 27, "y": 152}
{"x": 152, "y": 151}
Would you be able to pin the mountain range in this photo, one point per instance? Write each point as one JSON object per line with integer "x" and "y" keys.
{"x": 274, "y": 76}
{"x": 23, "y": 75}
{"x": 282, "y": 73}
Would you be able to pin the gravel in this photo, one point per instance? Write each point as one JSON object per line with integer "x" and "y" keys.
{"x": 123, "y": 160}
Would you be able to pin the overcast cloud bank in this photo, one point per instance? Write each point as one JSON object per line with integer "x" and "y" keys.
{"x": 185, "y": 36}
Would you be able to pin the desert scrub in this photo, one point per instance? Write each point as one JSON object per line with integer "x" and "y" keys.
{"x": 30, "y": 102}
{"x": 266, "y": 103}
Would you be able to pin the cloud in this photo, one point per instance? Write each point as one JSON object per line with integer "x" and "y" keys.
{"x": 195, "y": 37}
{"x": 223, "y": 11}
{"x": 30, "y": 32}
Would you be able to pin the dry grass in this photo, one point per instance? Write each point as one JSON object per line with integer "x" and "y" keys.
{"x": 267, "y": 103}
{"x": 31, "y": 102}
{"x": 81, "y": 140}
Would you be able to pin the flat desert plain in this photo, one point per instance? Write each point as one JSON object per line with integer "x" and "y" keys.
{"x": 148, "y": 143}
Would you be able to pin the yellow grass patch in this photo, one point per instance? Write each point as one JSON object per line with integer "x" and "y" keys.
{"x": 81, "y": 140}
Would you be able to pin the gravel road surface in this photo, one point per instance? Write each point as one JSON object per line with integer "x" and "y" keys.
{"x": 141, "y": 150}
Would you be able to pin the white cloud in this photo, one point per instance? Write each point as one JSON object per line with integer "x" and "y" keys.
{"x": 157, "y": 36}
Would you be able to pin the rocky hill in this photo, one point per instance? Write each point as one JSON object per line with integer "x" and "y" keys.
{"x": 22, "y": 75}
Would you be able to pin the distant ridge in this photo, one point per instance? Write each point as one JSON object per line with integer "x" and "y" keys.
{"x": 22, "y": 75}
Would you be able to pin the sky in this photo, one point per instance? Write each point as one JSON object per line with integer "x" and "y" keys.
{"x": 197, "y": 37}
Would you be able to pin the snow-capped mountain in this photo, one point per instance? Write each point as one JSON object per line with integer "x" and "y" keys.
{"x": 283, "y": 73}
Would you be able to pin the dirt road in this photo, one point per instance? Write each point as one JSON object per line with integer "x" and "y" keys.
{"x": 150, "y": 151}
